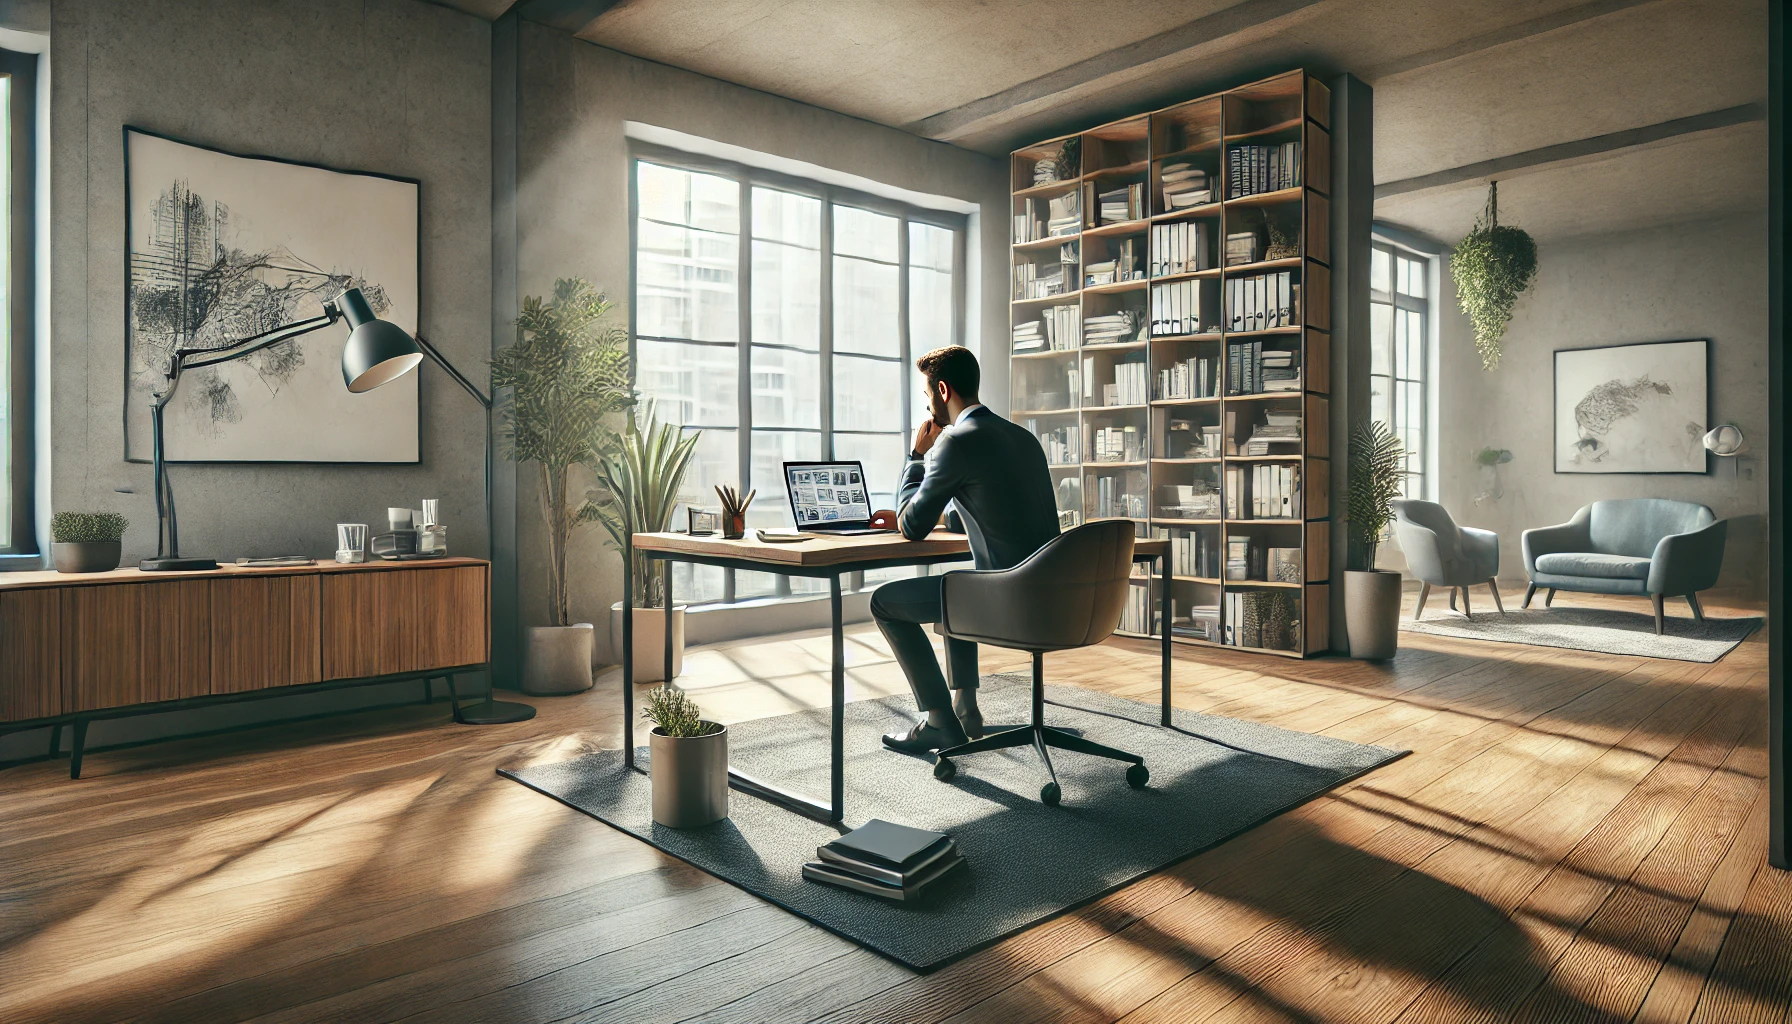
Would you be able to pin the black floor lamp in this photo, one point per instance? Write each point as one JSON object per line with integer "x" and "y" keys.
{"x": 377, "y": 352}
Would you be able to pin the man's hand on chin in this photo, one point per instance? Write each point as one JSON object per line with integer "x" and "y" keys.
{"x": 925, "y": 434}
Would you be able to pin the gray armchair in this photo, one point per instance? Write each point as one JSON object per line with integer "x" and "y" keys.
{"x": 1635, "y": 546}
{"x": 1441, "y": 554}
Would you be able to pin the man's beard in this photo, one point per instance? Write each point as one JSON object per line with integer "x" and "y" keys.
{"x": 938, "y": 409}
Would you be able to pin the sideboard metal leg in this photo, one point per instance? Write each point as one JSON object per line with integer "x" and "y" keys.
{"x": 55, "y": 741}
{"x": 74, "y": 762}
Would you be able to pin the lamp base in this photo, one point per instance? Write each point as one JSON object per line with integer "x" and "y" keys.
{"x": 177, "y": 564}
{"x": 494, "y": 712}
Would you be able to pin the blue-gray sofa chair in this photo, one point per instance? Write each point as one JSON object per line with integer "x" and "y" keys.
{"x": 1637, "y": 546}
{"x": 1441, "y": 554}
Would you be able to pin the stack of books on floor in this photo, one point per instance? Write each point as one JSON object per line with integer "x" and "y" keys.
{"x": 1121, "y": 204}
{"x": 1180, "y": 248}
{"x": 1185, "y": 185}
{"x": 1251, "y": 170}
{"x": 885, "y": 859}
{"x": 1111, "y": 328}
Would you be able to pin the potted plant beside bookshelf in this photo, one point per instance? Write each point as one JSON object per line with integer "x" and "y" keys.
{"x": 690, "y": 761}
{"x": 1371, "y": 595}
{"x": 567, "y": 373}
{"x": 86, "y": 541}
{"x": 643, "y": 477}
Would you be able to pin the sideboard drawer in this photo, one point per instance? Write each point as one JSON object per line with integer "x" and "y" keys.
{"x": 136, "y": 644}
{"x": 381, "y": 623}
{"x": 30, "y": 654}
{"x": 265, "y": 632}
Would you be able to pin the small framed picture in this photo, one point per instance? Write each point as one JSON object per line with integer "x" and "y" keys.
{"x": 702, "y": 523}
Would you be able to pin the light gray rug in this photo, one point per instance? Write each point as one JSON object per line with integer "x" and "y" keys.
{"x": 1600, "y": 630}
{"x": 1025, "y": 862}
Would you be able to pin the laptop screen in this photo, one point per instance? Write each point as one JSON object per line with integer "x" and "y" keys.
{"x": 827, "y": 493}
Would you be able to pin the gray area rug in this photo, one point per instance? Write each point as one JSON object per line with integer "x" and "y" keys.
{"x": 1211, "y": 778}
{"x": 1600, "y": 630}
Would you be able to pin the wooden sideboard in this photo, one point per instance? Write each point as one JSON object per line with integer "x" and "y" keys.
{"x": 79, "y": 646}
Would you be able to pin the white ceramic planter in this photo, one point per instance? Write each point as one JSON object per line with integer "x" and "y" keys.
{"x": 690, "y": 778}
{"x": 650, "y": 642}
{"x": 557, "y": 659}
{"x": 1372, "y": 614}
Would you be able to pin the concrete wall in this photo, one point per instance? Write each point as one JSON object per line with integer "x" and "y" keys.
{"x": 1688, "y": 280}
{"x": 572, "y": 215}
{"x": 392, "y": 86}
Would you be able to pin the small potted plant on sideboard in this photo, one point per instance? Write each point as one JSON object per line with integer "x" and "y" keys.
{"x": 690, "y": 761}
{"x": 86, "y": 541}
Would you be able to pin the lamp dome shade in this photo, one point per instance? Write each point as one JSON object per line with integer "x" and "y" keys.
{"x": 378, "y": 351}
{"x": 1726, "y": 440}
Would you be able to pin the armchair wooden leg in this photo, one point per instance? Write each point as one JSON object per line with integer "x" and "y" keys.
{"x": 1698, "y": 613}
{"x": 1660, "y": 613}
{"x": 1530, "y": 591}
{"x": 1466, "y": 611}
{"x": 1549, "y": 598}
{"x": 1493, "y": 587}
{"x": 1419, "y": 609}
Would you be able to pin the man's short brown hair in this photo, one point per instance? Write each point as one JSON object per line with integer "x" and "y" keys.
{"x": 955, "y": 365}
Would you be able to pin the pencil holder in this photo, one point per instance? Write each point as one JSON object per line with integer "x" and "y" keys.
{"x": 734, "y": 527}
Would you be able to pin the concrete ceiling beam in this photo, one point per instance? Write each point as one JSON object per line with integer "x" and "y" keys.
{"x": 1500, "y": 37}
{"x": 566, "y": 15}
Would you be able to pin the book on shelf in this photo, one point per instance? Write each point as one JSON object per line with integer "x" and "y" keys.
{"x": 1117, "y": 206}
{"x": 1182, "y": 307}
{"x": 1243, "y": 247}
{"x": 1041, "y": 280}
{"x": 1255, "y": 169}
{"x": 1275, "y": 493}
{"x": 1112, "y": 328}
{"x": 1278, "y": 434}
{"x": 1117, "y": 444}
{"x": 1199, "y": 500}
{"x": 1201, "y": 623}
{"x": 1029, "y": 336}
{"x": 1180, "y": 247}
{"x": 1253, "y": 369}
{"x": 1117, "y": 498}
{"x": 1193, "y": 377}
{"x": 885, "y": 859}
{"x": 1184, "y": 185}
{"x": 1128, "y": 262}
{"x": 1048, "y": 218}
{"x": 1195, "y": 553}
{"x": 1062, "y": 327}
{"x": 1062, "y": 444}
{"x": 1187, "y": 441}
{"x": 1259, "y": 302}
{"x": 1139, "y": 615}
{"x": 1129, "y": 384}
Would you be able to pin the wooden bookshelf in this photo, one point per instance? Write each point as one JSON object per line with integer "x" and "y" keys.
{"x": 1152, "y": 439}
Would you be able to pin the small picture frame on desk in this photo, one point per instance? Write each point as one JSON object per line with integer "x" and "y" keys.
{"x": 701, "y": 523}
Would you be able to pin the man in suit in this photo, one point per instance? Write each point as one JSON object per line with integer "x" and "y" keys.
{"x": 995, "y": 473}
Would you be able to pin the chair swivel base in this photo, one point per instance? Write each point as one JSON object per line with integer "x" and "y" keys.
{"x": 1042, "y": 737}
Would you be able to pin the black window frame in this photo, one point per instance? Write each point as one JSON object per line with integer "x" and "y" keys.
{"x": 21, "y": 395}
{"x": 747, "y": 177}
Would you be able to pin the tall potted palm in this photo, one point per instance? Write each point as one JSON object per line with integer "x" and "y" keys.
{"x": 567, "y": 373}
{"x": 1371, "y": 595}
{"x": 643, "y": 476}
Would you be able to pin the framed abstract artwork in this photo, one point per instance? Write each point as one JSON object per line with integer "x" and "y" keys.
{"x": 1632, "y": 408}
{"x": 220, "y": 247}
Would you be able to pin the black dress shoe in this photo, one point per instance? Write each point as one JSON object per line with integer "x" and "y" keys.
{"x": 924, "y": 739}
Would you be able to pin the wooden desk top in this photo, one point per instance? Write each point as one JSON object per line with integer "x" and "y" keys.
{"x": 822, "y": 550}
{"x": 51, "y": 578}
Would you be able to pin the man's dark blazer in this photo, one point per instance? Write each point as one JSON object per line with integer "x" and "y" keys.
{"x": 996, "y": 473}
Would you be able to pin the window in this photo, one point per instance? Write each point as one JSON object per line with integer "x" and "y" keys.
{"x": 1399, "y": 326}
{"x": 780, "y": 317}
{"x": 18, "y": 101}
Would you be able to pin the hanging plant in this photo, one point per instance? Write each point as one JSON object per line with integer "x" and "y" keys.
{"x": 1493, "y": 265}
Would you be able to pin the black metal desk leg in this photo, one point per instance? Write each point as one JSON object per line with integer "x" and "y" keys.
{"x": 1163, "y": 580}
{"x": 837, "y": 779}
{"x": 667, "y": 624}
{"x": 628, "y": 657}
{"x": 74, "y": 761}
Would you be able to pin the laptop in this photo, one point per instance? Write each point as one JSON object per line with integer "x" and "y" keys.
{"x": 829, "y": 497}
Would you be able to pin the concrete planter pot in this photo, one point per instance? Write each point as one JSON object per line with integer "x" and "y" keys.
{"x": 557, "y": 659}
{"x": 650, "y": 642}
{"x": 1372, "y": 614}
{"x": 95, "y": 556}
{"x": 690, "y": 778}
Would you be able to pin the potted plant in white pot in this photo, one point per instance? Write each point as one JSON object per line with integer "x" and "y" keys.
{"x": 690, "y": 761}
{"x": 1371, "y": 595}
{"x": 643, "y": 476}
{"x": 567, "y": 374}
{"x": 86, "y": 541}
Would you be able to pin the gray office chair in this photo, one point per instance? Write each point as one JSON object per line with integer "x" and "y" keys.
{"x": 1068, "y": 594}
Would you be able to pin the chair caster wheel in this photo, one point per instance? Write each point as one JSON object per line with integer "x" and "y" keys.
{"x": 1051, "y": 794}
{"x": 944, "y": 770}
{"x": 1137, "y": 776}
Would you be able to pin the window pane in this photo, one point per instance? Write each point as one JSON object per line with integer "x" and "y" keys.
{"x": 882, "y": 455}
{"x": 716, "y": 461}
{"x": 1412, "y": 278}
{"x": 693, "y": 584}
{"x": 1380, "y": 408}
{"x": 786, "y": 296}
{"x": 686, "y": 281}
{"x": 1412, "y": 350}
{"x": 929, "y": 309}
{"x": 929, "y": 246}
{"x": 787, "y": 217}
{"x": 865, "y": 297}
{"x": 786, "y": 388}
{"x": 771, "y": 449}
{"x": 863, "y": 233}
{"x": 867, "y": 394}
{"x": 685, "y": 197}
{"x": 691, "y": 385}
{"x": 1381, "y": 273}
{"x": 1381, "y": 324}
